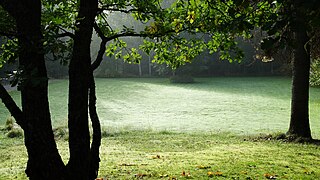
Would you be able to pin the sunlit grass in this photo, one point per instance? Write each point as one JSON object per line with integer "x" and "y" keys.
{"x": 159, "y": 130}
{"x": 165, "y": 155}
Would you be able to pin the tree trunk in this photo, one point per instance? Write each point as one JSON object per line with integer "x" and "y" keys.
{"x": 96, "y": 137}
{"x": 299, "y": 123}
{"x": 44, "y": 161}
{"x": 140, "y": 69}
{"x": 150, "y": 66}
{"x": 79, "y": 76}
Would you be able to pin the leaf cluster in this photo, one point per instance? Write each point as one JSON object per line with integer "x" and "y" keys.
{"x": 176, "y": 31}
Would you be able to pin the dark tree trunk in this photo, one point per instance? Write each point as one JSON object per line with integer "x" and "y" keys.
{"x": 299, "y": 123}
{"x": 96, "y": 137}
{"x": 79, "y": 76}
{"x": 44, "y": 161}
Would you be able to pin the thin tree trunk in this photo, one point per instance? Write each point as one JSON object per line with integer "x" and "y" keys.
{"x": 150, "y": 66}
{"x": 96, "y": 137}
{"x": 140, "y": 69}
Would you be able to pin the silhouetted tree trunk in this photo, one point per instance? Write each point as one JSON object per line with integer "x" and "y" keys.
{"x": 79, "y": 78}
{"x": 44, "y": 161}
{"x": 96, "y": 136}
{"x": 299, "y": 123}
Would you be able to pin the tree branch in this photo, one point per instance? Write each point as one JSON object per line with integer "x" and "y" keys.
{"x": 12, "y": 106}
{"x": 123, "y": 10}
{"x": 102, "y": 49}
{"x": 105, "y": 39}
{"x": 99, "y": 58}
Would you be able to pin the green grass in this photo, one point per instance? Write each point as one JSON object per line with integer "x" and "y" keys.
{"x": 161, "y": 155}
{"x": 242, "y": 105}
{"x": 187, "y": 125}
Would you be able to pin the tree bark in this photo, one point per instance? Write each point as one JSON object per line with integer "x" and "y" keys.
{"x": 79, "y": 76}
{"x": 299, "y": 123}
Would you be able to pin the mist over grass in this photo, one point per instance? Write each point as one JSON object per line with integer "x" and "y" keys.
{"x": 244, "y": 105}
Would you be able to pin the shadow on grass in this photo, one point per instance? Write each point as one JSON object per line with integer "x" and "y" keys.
{"x": 278, "y": 87}
{"x": 282, "y": 137}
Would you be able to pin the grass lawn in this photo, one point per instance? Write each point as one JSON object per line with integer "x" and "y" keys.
{"x": 160, "y": 130}
{"x": 243, "y": 105}
{"x": 166, "y": 155}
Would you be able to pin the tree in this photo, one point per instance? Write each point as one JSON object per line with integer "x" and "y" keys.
{"x": 299, "y": 122}
{"x": 80, "y": 79}
{"x": 44, "y": 160}
{"x": 287, "y": 23}
{"x": 164, "y": 34}
{"x": 295, "y": 26}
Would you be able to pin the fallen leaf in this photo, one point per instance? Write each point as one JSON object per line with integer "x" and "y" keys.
{"x": 211, "y": 174}
{"x": 270, "y": 176}
{"x": 203, "y": 167}
{"x": 307, "y": 171}
{"x": 99, "y": 178}
{"x": 156, "y": 157}
{"x": 163, "y": 175}
{"x": 140, "y": 175}
{"x": 125, "y": 164}
{"x": 184, "y": 174}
